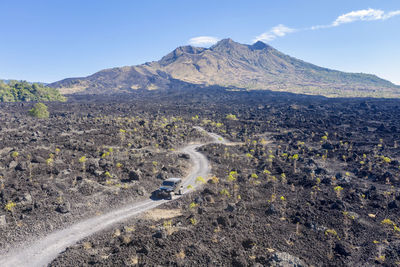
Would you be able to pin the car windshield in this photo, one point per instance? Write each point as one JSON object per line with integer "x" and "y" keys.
{"x": 168, "y": 183}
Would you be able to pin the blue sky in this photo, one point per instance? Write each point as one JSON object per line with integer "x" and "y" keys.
{"x": 48, "y": 40}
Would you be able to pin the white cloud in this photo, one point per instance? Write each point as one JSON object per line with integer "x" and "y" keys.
{"x": 317, "y": 27}
{"x": 203, "y": 40}
{"x": 277, "y": 31}
{"x": 364, "y": 14}
{"x": 353, "y": 16}
{"x": 359, "y": 15}
{"x": 391, "y": 14}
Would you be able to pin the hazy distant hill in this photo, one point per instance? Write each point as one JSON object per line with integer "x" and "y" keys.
{"x": 231, "y": 64}
{"x": 11, "y": 80}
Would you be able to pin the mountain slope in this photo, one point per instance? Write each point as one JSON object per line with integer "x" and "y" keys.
{"x": 231, "y": 64}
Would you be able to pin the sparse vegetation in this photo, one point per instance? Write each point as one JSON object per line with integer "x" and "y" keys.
{"x": 231, "y": 117}
{"x": 15, "y": 91}
{"x": 275, "y": 187}
{"x": 39, "y": 111}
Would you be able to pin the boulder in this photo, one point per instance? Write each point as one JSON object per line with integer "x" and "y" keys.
{"x": 239, "y": 262}
{"x": 38, "y": 159}
{"x": 3, "y": 221}
{"x": 198, "y": 200}
{"x": 338, "y": 205}
{"x": 284, "y": 259}
{"x": 393, "y": 204}
{"x": 238, "y": 258}
{"x": 271, "y": 210}
{"x": 184, "y": 156}
{"x": 160, "y": 234}
{"x": 248, "y": 243}
{"x": 134, "y": 175}
{"x": 27, "y": 199}
{"x": 342, "y": 249}
{"x": 64, "y": 207}
{"x": 21, "y": 167}
{"x": 66, "y": 172}
{"x": 12, "y": 164}
{"x": 161, "y": 176}
{"x": 92, "y": 165}
{"x": 328, "y": 146}
{"x": 221, "y": 220}
{"x": 231, "y": 207}
{"x": 104, "y": 163}
{"x": 208, "y": 191}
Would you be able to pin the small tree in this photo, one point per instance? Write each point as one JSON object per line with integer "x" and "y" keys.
{"x": 295, "y": 159}
{"x": 231, "y": 117}
{"x": 331, "y": 234}
{"x": 338, "y": 189}
{"x": 39, "y": 111}
{"x": 82, "y": 160}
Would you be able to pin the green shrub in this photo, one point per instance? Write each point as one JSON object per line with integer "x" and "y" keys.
{"x": 39, "y": 111}
{"x": 231, "y": 117}
{"x": 15, "y": 91}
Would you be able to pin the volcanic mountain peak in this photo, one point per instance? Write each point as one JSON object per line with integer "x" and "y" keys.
{"x": 259, "y": 45}
{"x": 226, "y": 43}
{"x": 231, "y": 64}
{"x": 171, "y": 57}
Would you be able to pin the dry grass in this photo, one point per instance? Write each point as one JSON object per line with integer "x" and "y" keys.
{"x": 159, "y": 214}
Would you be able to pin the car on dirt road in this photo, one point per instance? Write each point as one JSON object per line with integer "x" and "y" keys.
{"x": 169, "y": 187}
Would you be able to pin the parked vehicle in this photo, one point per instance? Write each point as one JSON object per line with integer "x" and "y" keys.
{"x": 169, "y": 187}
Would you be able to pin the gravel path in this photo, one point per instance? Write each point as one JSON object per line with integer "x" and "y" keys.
{"x": 43, "y": 251}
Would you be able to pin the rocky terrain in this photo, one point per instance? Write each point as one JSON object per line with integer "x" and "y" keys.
{"x": 305, "y": 181}
{"x": 80, "y": 162}
{"x": 234, "y": 66}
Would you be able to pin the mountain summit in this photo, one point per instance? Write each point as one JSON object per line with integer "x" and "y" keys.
{"x": 233, "y": 65}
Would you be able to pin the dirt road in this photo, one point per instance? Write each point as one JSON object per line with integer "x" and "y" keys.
{"x": 43, "y": 251}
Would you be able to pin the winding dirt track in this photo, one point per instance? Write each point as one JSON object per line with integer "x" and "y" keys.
{"x": 43, "y": 251}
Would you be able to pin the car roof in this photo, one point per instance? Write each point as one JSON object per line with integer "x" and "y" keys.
{"x": 175, "y": 180}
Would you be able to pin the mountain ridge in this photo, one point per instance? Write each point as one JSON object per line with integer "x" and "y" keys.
{"x": 230, "y": 64}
